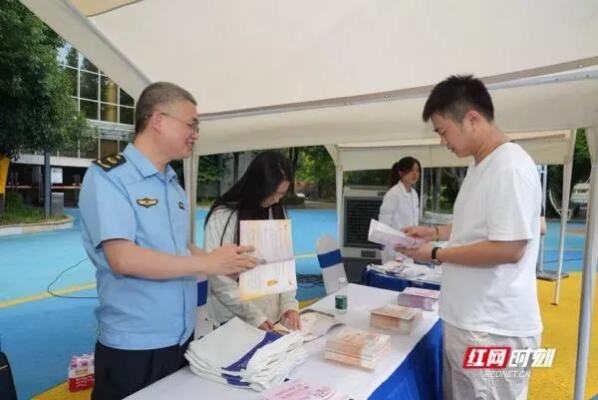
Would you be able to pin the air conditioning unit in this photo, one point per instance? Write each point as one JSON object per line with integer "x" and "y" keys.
{"x": 360, "y": 205}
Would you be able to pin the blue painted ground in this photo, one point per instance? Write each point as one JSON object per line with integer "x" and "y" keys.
{"x": 40, "y": 336}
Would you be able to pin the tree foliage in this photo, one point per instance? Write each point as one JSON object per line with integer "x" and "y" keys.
{"x": 315, "y": 165}
{"x": 582, "y": 164}
{"x": 36, "y": 109}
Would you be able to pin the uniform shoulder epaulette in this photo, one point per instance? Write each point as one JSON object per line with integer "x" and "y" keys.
{"x": 109, "y": 162}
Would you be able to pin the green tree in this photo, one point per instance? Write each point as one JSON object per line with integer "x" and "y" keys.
{"x": 581, "y": 170}
{"x": 316, "y": 166}
{"x": 210, "y": 168}
{"x": 36, "y": 109}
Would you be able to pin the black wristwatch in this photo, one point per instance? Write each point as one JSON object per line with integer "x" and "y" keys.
{"x": 435, "y": 260}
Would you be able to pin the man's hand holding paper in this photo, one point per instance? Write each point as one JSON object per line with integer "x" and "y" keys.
{"x": 387, "y": 236}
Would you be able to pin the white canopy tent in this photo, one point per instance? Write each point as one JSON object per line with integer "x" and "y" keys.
{"x": 270, "y": 74}
{"x": 234, "y": 55}
{"x": 553, "y": 147}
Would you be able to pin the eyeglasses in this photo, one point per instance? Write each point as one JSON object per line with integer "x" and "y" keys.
{"x": 194, "y": 126}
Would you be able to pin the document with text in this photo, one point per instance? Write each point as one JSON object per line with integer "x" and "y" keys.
{"x": 384, "y": 234}
{"x": 273, "y": 245}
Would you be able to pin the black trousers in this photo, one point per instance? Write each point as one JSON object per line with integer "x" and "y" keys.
{"x": 120, "y": 373}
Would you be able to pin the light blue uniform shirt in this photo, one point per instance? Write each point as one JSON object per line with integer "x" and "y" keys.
{"x": 132, "y": 200}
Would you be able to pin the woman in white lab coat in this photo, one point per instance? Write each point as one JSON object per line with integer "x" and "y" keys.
{"x": 256, "y": 195}
{"x": 400, "y": 206}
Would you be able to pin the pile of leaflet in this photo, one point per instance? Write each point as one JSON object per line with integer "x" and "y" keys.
{"x": 395, "y": 318}
{"x": 241, "y": 355}
{"x": 357, "y": 347}
{"x": 426, "y": 299}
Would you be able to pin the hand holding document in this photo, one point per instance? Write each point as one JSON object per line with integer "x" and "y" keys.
{"x": 274, "y": 247}
{"x": 387, "y": 236}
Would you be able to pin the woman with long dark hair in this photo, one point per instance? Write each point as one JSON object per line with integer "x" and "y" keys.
{"x": 256, "y": 195}
{"x": 400, "y": 206}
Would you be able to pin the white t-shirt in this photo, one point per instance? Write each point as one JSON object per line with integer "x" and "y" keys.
{"x": 399, "y": 209}
{"x": 499, "y": 200}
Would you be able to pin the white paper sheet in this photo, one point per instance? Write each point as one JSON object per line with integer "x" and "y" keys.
{"x": 387, "y": 236}
{"x": 313, "y": 324}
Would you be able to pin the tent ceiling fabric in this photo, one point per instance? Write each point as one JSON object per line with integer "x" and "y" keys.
{"x": 562, "y": 105}
{"x": 543, "y": 147}
{"x": 91, "y": 8}
{"x": 234, "y": 55}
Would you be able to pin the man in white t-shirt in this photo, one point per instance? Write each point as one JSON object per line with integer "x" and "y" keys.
{"x": 488, "y": 287}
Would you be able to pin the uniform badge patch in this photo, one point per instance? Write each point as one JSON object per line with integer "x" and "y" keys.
{"x": 109, "y": 162}
{"x": 147, "y": 202}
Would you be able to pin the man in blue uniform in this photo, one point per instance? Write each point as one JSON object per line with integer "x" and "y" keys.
{"x": 135, "y": 230}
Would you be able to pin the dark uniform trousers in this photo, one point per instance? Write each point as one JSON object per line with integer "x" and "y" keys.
{"x": 120, "y": 373}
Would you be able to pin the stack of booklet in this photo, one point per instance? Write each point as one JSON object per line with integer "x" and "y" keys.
{"x": 426, "y": 299}
{"x": 241, "y": 355}
{"x": 357, "y": 347}
{"x": 395, "y": 318}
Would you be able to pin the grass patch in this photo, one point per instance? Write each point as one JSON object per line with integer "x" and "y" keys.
{"x": 16, "y": 212}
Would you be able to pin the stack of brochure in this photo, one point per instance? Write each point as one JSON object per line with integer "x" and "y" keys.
{"x": 426, "y": 299}
{"x": 357, "y": 347}
{"x": 241, "y": 355}
{"x": 395, "y": 318}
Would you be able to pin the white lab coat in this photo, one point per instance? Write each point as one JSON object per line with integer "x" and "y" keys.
{"x": 399, "y": 209}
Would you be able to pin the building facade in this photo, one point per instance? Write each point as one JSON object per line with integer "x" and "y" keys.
{"x": 109, "y": 110}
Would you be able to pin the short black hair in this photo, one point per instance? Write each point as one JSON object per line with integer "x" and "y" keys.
{"x": 456, "y": 95}
{"x": 155, "y": 94}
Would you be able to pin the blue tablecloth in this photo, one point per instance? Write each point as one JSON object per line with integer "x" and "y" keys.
{"x": 383, "y": 281}
{"x": 419, "y": 377}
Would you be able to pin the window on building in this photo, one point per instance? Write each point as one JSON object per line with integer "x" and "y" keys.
{"x": 109, "y": 90}
{"x": 89, "y": 85}
{"x": 88, "y": 65}
{"x": 125, "y": 99}
{"x": 127, "y": 115}
{"x": 89, "y": 109}
{"x": 72, "y": 75}
{"x": 98, "y": 96}
{"x": 108, "y": 147}
{"x": 109, "y": 112}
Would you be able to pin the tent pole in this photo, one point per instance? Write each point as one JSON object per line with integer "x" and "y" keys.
{"x": 339, "y": 204}
{"x": 190, "y": 173}
{"x": 335, "y": 154}
{"x": 421, "y": 194}
{"x": 589, "y": 272}
{"x": 540, "y": 267}
{"x": 567, "y": 170}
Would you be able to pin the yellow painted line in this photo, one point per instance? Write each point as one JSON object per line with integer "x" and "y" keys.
{"x": 61, "y": 392}
{"x": 45, "y": 295}
{"x": 85, "y": 286}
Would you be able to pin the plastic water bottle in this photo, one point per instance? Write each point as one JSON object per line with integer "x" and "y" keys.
{"x": 341, "y": 301}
